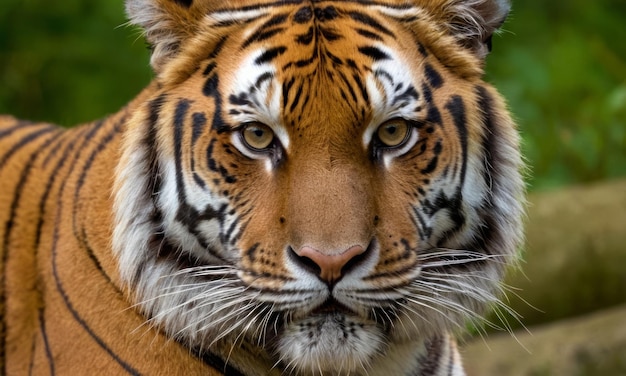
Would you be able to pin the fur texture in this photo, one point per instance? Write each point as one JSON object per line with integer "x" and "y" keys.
{"x": 308, "y": 188}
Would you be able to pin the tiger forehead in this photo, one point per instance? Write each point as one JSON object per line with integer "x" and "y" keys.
{"x": 309, "y": 57}
{"x": 310, "y": 35}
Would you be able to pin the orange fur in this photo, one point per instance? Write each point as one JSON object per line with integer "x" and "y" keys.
{"x": 75, "y": 288}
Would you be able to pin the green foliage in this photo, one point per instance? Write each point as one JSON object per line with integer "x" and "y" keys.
{"x": 561, "y": 64}
{"x": 68, "y": 62}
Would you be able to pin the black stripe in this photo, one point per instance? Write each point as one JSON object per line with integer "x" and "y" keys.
{"x": 409, "y": 95}
{"x": 151, "y": 191}
{"x": 23, "y": 142}
{"x": 227, "y": 236}
{"x": 184, "y": 3}
{"x": 286, "y": 89}
{"x": 278, "y": 3}
{"x": 427, "y": 230}
{"x": 305, "y": 62}
{"x": 55, "y": 272}
{"x": 266, "y": 35}
{"x": 13, "y": 213}
{"x": 430, "y": 361}
{"x": 18, "y": 125}
{"x": 210, "y": 86}
{"x": 369, "y": 21}
{"x": 349, "y": 86}
{"x": 234, "y": 21}
{"x": 17, "y": 194}
{"x": 281, "y": 3}
{"x": 217, "y": 363}
{"x": 490, "y": 134}
{"x": 50, "y": 182}
{"x": 432, "y": 165}
{"x": 33, "y": 347}
{"x": 456, "y": 107}
{"x": 218, "y": 47}
{"x": 451, "y": 349}
{"x": 127, "y": 367}
{"x": 303, "y": 15}
{"x": 336, "y": 60}
{"x": 361, "y": 86}
{"x": 328, "y": 13}
{"x": 304, "y": 103}
{"x": 242, "y": 230}
{"x": 267, "y": 76}
{"x": 81, "y": 235}
{"x": 262, "y": 33}
{"x": 274, "y": 21}
{"x": 179, "y": 118}
{"x": 306, "y": 38}
{"x": 53, "y": 150}
{"x": 209, "y": 68}
{"x": 375, "y": 53}
{"x": 46, "y": 343}
{"x": 198, "y": 126}
{"x": 210, "y": 89}
{"x": 422, "y": 49}
{"x": 434, "y": 78}
{"x": 296, "y": 99}
{"x": 270, "y": 54}
{"x": 489, "y": 233}
{"x": 187, "y": 214}
{"x": 102, "y": 144}
{"x": 152, "y": 160}
{"x": 89, "y": 251}
{"x": 330, "y": 34}
{"x": 369, "y": 34}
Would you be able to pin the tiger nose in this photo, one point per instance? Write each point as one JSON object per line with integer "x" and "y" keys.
{"x": 329, "y": 267}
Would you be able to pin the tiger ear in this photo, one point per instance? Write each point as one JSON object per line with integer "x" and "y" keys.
{"x": 166, "y": 24}
{"x": 473, "y": 22}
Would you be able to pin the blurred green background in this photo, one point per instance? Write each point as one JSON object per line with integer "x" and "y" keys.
{"x": 560, "y": 63}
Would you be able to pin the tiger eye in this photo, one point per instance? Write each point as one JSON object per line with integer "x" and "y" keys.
{"x": 393, "y": 132}
{"x": 258, "y": 136}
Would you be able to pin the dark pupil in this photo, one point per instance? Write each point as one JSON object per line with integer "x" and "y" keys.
{"x": 259, "y": 132}
{"x": 392, "y": 129}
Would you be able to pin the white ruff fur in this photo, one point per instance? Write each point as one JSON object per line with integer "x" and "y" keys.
{"x": 210, "y": 308}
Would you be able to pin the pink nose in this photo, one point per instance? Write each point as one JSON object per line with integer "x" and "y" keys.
{"x": 330, "y": 266}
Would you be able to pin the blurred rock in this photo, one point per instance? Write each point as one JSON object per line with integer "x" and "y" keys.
{"x": 593, "y": 345}
{"x": 575, "y": 257}
{"x": 574, "y": 273}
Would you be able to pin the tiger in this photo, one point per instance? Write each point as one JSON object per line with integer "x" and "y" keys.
{"x": 306, "y": 187}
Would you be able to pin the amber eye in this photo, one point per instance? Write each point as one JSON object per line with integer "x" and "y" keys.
{"x": 392, "y": 133}
{"x": 257, "y": 136}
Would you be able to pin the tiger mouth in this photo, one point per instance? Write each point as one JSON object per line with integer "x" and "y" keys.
{"x": 332, "y": 306}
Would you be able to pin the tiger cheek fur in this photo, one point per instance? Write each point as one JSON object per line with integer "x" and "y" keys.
{"x": 315, "y": 187}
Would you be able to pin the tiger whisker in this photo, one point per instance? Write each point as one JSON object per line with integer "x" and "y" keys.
{"x": 243, "y": 330}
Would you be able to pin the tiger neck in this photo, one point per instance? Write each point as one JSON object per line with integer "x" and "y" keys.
{"x": 95, "y": 197}
{"x": 421, "y": 358}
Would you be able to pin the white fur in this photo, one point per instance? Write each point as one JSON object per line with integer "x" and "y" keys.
{"x": 205, "y": 312}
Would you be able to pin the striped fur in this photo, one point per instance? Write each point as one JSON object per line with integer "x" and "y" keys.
{"x": 160, "y": 241}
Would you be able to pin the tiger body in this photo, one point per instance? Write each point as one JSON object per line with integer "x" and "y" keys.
{"x": 308, "y": 188}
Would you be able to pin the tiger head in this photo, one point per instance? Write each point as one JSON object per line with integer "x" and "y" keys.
{"x": 317, "y": 184}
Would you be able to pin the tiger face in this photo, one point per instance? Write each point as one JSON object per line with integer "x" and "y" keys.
{"x": 324, "y": 185}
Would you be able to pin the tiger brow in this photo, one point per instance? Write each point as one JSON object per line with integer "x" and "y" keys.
{"x": 267, "y": 30}
{"x": 369, "y": 21}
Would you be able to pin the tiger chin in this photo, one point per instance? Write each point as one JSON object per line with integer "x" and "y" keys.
{"x": 307, "y": 188}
